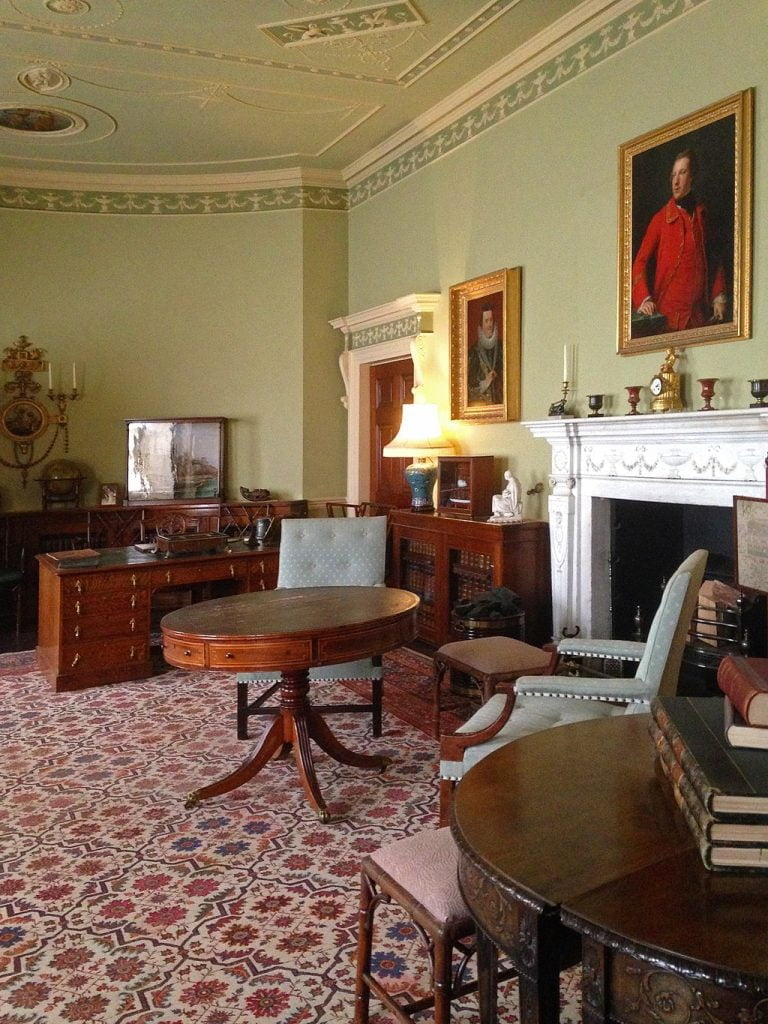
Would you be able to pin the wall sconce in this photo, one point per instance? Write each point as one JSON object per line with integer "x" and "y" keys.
{"x": 420, "y": 438}
{"x": 23, "y": 419}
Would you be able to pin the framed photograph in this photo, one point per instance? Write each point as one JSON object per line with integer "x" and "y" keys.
{"x": 750, "y": 527}
{"x": 485, "y": 347}
{"x": 174, "y": 460}
{"x": 685, "y": 230}
{"x": 110, "y": 494}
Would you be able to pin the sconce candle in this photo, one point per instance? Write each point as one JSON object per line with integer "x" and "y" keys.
{"x": 565, "y": 362}
{"x": 74, "y": 377}
{"x": 50, "y": 377}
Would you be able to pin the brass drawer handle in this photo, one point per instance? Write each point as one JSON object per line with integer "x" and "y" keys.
{"x": 77, "y": 607}
{"x": 77, "y": 632}
{"x": 262, "y": 584}
{"x": 133, "y": 651}
{"x": 187, "y": 654}
{"x": 229, "y": 654}
{"x": 133, "y": 600}
{"x": 261, "y": 563}
{"x": 168, "y": 575}
{"x": 75, "y": 660}
{"x": 133, "y": 579}
{"x": 132, "y": 624}
{"x": 232, "y": 571}
{"x": 79, "y": 586}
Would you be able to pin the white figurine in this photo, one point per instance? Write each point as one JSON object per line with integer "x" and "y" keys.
{"x": 507, "y": 506}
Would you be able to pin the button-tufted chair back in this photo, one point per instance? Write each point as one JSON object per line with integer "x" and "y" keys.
{"x": 348, "y": 552}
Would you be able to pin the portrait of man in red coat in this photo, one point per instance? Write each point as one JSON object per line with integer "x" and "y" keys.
{"x": 674, "y": 273}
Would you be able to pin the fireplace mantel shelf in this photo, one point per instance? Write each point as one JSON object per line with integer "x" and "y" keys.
{"x": 696, "y": 458}
{"x": 708, "y": 427}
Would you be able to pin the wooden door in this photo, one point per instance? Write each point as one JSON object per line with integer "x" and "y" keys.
{"x": 391, "y": 386}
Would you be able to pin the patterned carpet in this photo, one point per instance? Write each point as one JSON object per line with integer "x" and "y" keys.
{"x": 118, "y": 906}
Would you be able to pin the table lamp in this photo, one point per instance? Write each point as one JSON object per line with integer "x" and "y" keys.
{"x": 420, "y": 438}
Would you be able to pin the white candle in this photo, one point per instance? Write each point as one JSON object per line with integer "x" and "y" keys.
{"x": 565, "y": 362}
{"x": 74, "y": 377}
{"x": 50, "y": 377}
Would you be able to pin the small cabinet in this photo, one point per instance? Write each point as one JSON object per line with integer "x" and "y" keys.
{"x": 465, "y": 486}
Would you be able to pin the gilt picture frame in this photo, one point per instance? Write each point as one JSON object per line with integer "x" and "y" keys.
{"x": 485, "y": 347}
{"x": 663, "y": 302}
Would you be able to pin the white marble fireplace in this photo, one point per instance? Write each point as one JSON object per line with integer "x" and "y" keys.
{"x": 682, "y": 458}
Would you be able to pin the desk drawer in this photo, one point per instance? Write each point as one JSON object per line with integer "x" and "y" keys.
{"x": 99, "y": 582}
{"x": 118, "y": 604}
{"x": 81, "y": 658}
{"x": 97, "y": 626}
{"x": 173, "y": 573}
{"x": 181, "y": 654}
{"x": 272, "y": 655}
{"x": 263, "y": 572}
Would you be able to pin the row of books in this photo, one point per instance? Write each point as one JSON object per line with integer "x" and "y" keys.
{"x": 721, "y": 790}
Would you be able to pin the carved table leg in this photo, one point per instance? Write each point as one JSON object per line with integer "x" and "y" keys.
{"x": 487, "y": 967}
{"x": 272, "y": 740}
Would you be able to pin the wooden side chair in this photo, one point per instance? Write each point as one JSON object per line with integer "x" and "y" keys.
{"x": 342, "y": 509}
{"x": 420, "y": 873}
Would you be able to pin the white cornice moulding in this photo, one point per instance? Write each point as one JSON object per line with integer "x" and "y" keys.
{"x": 546, "y": 44}
{"x": 422, "y": 304}
{"x": 290, "y": 177}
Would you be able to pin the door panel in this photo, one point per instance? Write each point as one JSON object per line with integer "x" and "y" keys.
{"x": 391, "y": 387}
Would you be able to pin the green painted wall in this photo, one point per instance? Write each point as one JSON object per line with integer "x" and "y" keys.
{"x": 183, "y": 316}
{"x": 541, "y": 191}
{"x": 325, "y": 297}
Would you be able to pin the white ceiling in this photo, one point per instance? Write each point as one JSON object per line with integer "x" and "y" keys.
{"x": 232, "y": 90}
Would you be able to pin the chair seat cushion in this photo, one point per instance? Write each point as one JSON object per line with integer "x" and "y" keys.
{"x": 531, "y": 714}
{"x": 426, "y": 866}
{"x": 493, "y": 657}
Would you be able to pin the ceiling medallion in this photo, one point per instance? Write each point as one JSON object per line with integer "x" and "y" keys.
{"x": 68, "y": 6}
{"x": 40, "y": 121}
{"x": 44, "y": 78}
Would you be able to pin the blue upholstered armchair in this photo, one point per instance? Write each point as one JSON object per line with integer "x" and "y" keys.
{"x": 348, "y": 552}
{"x": 541, "y": 702}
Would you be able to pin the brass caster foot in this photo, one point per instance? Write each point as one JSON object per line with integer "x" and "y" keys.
{"x": 324, "y": 815}
{"x": 193, "y": 799}
{"x": 385, "y": 765}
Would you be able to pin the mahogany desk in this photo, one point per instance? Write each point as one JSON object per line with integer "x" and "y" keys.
{"x": 569, "y": 832}
{"x": 94, "y": 621}
{"x": 290, "y": 631}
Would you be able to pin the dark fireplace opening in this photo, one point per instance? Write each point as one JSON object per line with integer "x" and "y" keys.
{"x": 648, "y": 541}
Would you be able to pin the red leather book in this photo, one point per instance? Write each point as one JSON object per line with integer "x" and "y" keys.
{"x": 745, "y": 682}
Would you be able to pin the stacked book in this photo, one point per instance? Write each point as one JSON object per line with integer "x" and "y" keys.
{"x": 721, "y": 790}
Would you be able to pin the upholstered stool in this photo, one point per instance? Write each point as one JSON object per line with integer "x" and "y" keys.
{"x": 420, "y": 874}
{"x": 490, "y": 661}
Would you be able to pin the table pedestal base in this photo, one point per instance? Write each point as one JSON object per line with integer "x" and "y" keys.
{"x": 294, "y": 724}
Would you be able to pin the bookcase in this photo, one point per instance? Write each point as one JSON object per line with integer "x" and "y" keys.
{"x": 446, "y": 560}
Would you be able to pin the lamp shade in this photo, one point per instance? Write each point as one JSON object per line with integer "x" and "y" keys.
{"x": 420, "y": 435}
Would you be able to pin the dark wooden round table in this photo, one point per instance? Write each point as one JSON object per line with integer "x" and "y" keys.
{"x": 290, "y": 631}
{"x": 570, "y": 834}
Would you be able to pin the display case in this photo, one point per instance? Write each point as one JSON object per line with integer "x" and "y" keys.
{"x": 465, "y": 486}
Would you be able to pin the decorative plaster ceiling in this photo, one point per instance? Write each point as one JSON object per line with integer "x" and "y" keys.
{"x": 101, "y": 93}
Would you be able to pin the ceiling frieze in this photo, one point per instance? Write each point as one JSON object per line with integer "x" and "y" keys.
{"x": 460, "y": 119}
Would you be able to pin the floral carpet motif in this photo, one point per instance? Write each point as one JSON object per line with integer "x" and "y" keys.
{"x": 119, "y": 906}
